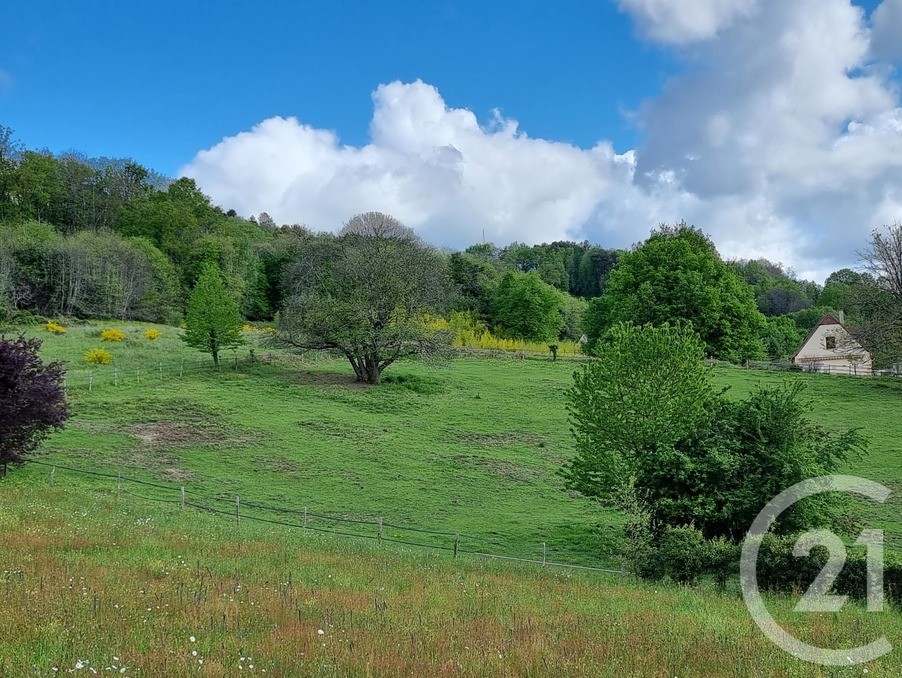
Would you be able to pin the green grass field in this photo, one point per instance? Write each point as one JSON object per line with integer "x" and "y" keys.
{"x": 95, "y": 583}
{"x": 471, "y": 447}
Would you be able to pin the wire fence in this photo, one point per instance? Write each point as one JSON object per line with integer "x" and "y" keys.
{"x": 115, "y": 375}
{"x": 823, "y": 367}
{"x": 239, "y": 509}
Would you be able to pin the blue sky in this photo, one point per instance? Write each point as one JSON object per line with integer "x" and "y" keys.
{"x": 161, "y": 80}
{"x": 776, "y": 126}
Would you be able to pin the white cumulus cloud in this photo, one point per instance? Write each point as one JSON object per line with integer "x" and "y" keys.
{"x": 887, "y": 23}
{"x": 435, "y": 168}
{"x": 781, "y": 137}
{"x": 685, "y": 21}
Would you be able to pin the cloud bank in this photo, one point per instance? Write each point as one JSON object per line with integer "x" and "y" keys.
{"x": 782, "y": 137}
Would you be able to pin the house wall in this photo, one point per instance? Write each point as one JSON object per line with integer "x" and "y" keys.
{"x": 840, "y": 359}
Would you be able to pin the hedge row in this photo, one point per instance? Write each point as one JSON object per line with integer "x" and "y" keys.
{"x": 683, "y": 555}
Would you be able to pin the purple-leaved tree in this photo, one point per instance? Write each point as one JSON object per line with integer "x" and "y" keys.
{"x": 32, "y": 399}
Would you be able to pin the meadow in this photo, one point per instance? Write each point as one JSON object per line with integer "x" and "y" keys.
{"x": 468, "y": 447}
{"x": 96, "y": 585}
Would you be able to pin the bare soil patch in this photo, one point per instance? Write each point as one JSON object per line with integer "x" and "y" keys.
{"x": 499, "y": 467}
{"x": 504, "y": 438}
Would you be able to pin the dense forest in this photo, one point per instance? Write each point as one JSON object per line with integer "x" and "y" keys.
{"x": 107, "y": 238}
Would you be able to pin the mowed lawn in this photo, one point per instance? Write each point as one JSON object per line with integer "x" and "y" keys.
{"x": 471, "y": 447}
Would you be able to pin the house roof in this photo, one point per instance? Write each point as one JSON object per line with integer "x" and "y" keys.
{"x": 827, "y": 319}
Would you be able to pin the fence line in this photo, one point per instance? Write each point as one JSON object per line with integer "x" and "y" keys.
{"x": 123, "y": 376}
{"x": 202, "y": 503}
{"x": 812, "y": 367}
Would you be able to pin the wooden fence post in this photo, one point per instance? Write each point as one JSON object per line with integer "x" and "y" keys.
{"x": 90, "y": 382}
{"x": 305, "y": 521}
{"x": 456, "y": 544}
{"x": 53, "y": 475}
{"x": 544, "y": 553}
{"x": 182, "y": 502}
{"x": 380, "y": 529}
{"x": 237, "y": 509}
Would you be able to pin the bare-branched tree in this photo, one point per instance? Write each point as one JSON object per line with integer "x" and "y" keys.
{"x": 880, "y": 296}
{"x": 883, "y": 258}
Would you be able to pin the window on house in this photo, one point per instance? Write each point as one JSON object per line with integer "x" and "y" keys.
{"x": 831, "y": 342}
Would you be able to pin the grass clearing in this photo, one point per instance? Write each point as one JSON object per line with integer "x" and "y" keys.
{"x": 99, "y": 583}
{"x": 471, "y": 447}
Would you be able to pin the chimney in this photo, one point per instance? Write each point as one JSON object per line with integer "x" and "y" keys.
{"x": 842, "y": 317}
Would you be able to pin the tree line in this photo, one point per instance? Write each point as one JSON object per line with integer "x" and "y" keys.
{"x": 107, "y": 238}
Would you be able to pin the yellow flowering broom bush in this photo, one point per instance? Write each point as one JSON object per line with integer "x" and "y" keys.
{"x": 153, "y": 334}
{"x": 54, "y": 328}
{"x": 468, "y": 332}
{"x": 112, "y": 335}
{"x": 98, "y": 356}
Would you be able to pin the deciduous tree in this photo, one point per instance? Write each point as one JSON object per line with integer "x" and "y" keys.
{"x": 32, "y": 399}
{"x": 365, "y": 294}
{"x": 528, "y": 308}
{"x": 677, "y": 276}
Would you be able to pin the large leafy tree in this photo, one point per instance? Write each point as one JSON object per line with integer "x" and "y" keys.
{"x": 476, "y": 281}
{"x": 213, "y": 323}
{"x": 678, "y": 276}
{"x": 653, "y": 432}
{"x": 365, "y": 294}
{"x": 32, "y": 399}
{"x": 648, "y": 390}
{"x": 781, "y": 337}
{"x": 526, "y": 307}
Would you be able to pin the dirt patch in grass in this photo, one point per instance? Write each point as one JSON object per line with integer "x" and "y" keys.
{"x": 503, "y": 439}
{"x": 277, "y": 464}
{"x": 177, "y": 475}
{"x": 503, "y": 469}
{"x": 170, "y": 434}
{"x": 167, "y": 427}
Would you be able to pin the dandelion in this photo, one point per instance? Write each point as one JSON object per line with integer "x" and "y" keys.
{"x": 321, "y": 632}
{"x": 193, "y": 653}
{"x": 193, "y": 639}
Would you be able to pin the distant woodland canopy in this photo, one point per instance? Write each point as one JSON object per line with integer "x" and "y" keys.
{"x": 108, "y": 238}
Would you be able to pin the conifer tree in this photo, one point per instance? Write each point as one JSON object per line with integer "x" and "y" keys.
{"x": 213, "y": 323}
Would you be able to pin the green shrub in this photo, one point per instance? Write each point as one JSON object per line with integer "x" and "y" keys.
{"x": 98, "y": 356}
{"x": 723, "y": 560}
{"x": 682, "y": 555}
{"x": 779, "y": 571}
{"x": 112, "y": 335}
